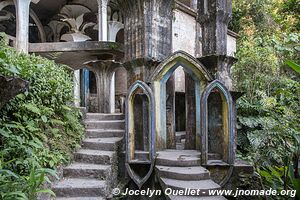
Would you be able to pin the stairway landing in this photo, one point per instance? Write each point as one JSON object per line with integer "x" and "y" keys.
{"x": 180, "y": 170}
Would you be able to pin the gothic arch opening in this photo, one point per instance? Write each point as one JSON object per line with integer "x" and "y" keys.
{"x": 198, "y": 79}
{"x": 140, "y": 134}
{"x": 217, "y": 124}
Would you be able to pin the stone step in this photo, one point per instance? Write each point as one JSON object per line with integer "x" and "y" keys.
{"x": 94, "y": 156}
{"x": 77, "y": 170}
{"x": 195, "y": 198}
{"x": 80, "y": 198}
{"x": 72, "y": 187}
{"x": 105, "y": 124}
{"x": 179, "y": 136}
{"x": 104, "y": 116}
{"x": 183, "y": 173}
{"x": 102, "y": 133}
{"x": 106, "y": 144}
{"x": 214, "y": 156}
{"x": 175, "y": 158}
{"x": 203, "y": 185}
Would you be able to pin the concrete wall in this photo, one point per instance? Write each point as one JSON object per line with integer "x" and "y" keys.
{"x": 184, "y": 32}
{"x": 185, "y": 37}
{"x": 231, "y": 45}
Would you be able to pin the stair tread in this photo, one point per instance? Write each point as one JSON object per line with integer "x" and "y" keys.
{"x": 183, "y": 170}
{"x": 88, "y": 166}
{"x": 103, "y": 114}
{"x": 179, "y": 155}
{"x": 111, "y": 140}
{"x": 104, "y": 121}
{"x": 200, "y": 184}
{"x": 79, "y": 183}
{"x": 95, "y": 152}
{"x": 179, "y": 158}
{"x": 104, "y": 130}
{"x": 196, "y": 198}
{"x": 80, "y": 198}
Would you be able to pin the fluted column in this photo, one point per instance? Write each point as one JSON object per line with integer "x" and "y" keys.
{"x": 22, "y": 22}
{"x": 102, "y": 20}
{"x": 214, "y": 16}
{"x": 148, "y": 35}
{"x": 104, "y": 71}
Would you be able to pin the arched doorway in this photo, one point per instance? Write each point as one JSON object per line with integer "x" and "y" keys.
{"x": 159, "y": 78}
{"x": 140, "y": 133}
{"x": 217, "y": 116}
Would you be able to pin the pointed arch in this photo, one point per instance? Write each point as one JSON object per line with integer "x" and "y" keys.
{"x": 228, "y": 122}
{"x": 130, "y": 132}
{"x": 158, "y": 80}
{"x": 180, "y": 58}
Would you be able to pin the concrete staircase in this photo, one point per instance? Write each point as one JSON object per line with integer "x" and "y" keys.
{"x": 180, "y": 169}
{"x": 91, "y": 176}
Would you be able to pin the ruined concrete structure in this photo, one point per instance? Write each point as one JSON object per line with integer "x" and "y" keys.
{"x": 154, "y": 79}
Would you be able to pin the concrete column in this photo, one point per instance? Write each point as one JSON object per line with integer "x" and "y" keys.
{"x": 148, "y": 35}
{"x": 22, "y": 19}
{"x": 121, "y": 87}
{"x": 112, "y": 94}
{"x": 190, "y": 105}
{"x": 170, "y": 107}
{"x": 214, "y": 16}
{"x": 104, "y": 71}
{"x": 77, "y": 88}
{"x": 102, "y": 19}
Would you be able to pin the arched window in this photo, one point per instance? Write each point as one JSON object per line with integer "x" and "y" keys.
{"x": 217, "y": 94}
{"x": 158, "y": 79}
{"x": 140, "y": 142}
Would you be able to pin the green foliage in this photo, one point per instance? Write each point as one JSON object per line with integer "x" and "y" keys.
{"x": 269, "y": 112}
{"x": 40, "y": 128}
{"x": 294, "y": 66}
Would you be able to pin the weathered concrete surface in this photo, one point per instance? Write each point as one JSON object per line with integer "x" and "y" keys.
{"x": 22, "y": 21}
{"x": 104, "y": 71}
{"x": 183, "y": 173}
{"x": 104, "y": 133}
{"x": 94, "y": 172}
{"x": 184, "y": 32}
{"x": 10, "y": 87}
{"x": 105, "y": 124}
{"x": 87, "y": 170}
{"x": 148, "y": 28}
{"x": 107, "y": 144}
{"x": 214, "y": 18}
{"x": 179, "y": 171}
{"x": 75, "y": 54}
{"x": 75, "y": 187}
{"x": 190, "y": 105}
{"x": 170, "y": 112}
{"x": 103, "y": 116}
{"x": 176, "y": 158}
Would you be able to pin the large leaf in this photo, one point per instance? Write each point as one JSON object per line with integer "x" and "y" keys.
{"x": 293, "y": 65}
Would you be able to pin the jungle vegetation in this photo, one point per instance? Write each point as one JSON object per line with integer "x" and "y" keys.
{"x": 268, "y": 74}
{"x": 33, "y": 124}
{"x": 39, "y": 129}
